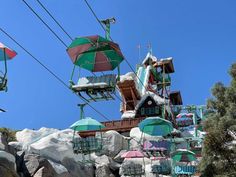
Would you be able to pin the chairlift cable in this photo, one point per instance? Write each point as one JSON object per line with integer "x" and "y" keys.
{"x": 54, "y": 33}
{"x": 41, "y": 4}
{"x": 94, "y": 14}
{"x": 50, "y": 71}
{"x": 32, "y": 10}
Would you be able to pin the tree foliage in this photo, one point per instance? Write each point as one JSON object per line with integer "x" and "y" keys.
{"x": 219, "y": 151}
{"x": 10, "y": 134}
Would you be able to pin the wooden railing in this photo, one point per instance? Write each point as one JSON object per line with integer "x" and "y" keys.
{"x": 120, "y": 126}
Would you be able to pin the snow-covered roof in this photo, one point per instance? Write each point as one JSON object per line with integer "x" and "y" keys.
{"x": 155, "y": 97}
{"x": 149, "y": 56}
{"x": 128, "y": 76}
{"x": 128, "y": 114}
{"x": 164, "y": 59}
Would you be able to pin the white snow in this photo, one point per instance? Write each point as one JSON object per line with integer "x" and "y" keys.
{"x": 28, "y": 136}
{"x": 155, "y": 97}
{"x": 149, "y": 56}
{"x": 128, "y": 76}
{"x": 164, "y": 59}
{"x": 128, "y": 114}
{"x": 50, "y": 143}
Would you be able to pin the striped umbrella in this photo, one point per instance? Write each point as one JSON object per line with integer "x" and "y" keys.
{"x": 6, "y": 52}
{"x": 95, "y": 53}
{"x": 183, "y": 155}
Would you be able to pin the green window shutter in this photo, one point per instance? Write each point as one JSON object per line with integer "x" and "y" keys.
{"x": 142, "y": 111}
{"x": 157, "y": 111}
{"x": 152, "y": 110}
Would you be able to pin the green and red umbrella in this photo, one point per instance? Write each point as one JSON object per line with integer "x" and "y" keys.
{"x": 183, "y": 155}
{"x": 95, "y": 53}
{"x": 6, "y": 52}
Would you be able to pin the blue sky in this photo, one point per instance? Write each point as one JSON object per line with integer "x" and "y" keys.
{"x": 199, "y": 35}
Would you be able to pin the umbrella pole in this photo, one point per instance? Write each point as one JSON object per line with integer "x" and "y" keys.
{"x": 81, "y": 110}
{"x": 72, "y": 74}
{"x": 5, "y": 62}
{"x": 108, "y": 31}
{"x": 118, "y": 69}
{"x": 73, "y": 139}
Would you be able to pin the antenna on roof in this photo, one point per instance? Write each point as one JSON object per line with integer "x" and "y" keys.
{"x": 139, "y": 52}
{"x": 150, "y": 48}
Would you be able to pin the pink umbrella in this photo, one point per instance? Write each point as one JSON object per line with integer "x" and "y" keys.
{"x": 187, "y": 115}
{"x": 6, "y": 52}
{"x": 132, "y": 154}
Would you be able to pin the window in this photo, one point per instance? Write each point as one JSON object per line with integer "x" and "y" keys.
{"x": 150, "y": 110}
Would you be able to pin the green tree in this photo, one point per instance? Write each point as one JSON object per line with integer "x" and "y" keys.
{"x": 219, "y": 151}
{"x": 10, "y": 134}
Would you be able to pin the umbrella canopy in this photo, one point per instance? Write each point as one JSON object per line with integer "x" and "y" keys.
{"x": 87, "y": 124}
{"x": 9, "y": 53}
{"x": 183, "y": 155}
{"x": 184, "y": 115}
{"x": 156, "y": 126}
{"x": 95, "y": 53}
{"x": 132, "y": 154}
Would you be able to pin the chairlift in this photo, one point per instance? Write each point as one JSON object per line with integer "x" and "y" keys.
{"x": 133, "y": 169}
{"x": 86, "y": 145}
{"x": 162, "y": 169}
{"x": 96, "y": 54}
{"x": 5, "y": 54}
{"x": 181, "y": 162}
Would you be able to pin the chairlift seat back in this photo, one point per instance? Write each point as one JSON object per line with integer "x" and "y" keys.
{"x": 161, "y": 169}
{"x": 95, "y": 82}
{"x": 133, "y": 169}
{"x": 3, "y": 83}
{"x": 185, "y": 170}
{"x": 87, "y": 145}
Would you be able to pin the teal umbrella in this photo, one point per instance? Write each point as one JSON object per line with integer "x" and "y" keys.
{"x": 156, "y": 126}
{"x": 87, "y": 124}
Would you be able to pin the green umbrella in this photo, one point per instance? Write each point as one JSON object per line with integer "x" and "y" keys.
{"x": 183, "y": 155}
{"x": 95, "y": 53}
{"x": 156, "y": 126}
{"x": 87, "y": 124}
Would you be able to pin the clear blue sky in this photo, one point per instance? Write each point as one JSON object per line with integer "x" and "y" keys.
{"x": 200, "y": 35}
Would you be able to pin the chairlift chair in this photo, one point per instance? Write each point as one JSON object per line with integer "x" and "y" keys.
{"x": 3, "y": 81}
{"x": 5, "y": 54}
{"x": 96, "y": 54}
{"x": 86, "y": 145}
{"x": 95, "y": 88}
{"x": 135, "y": 170}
